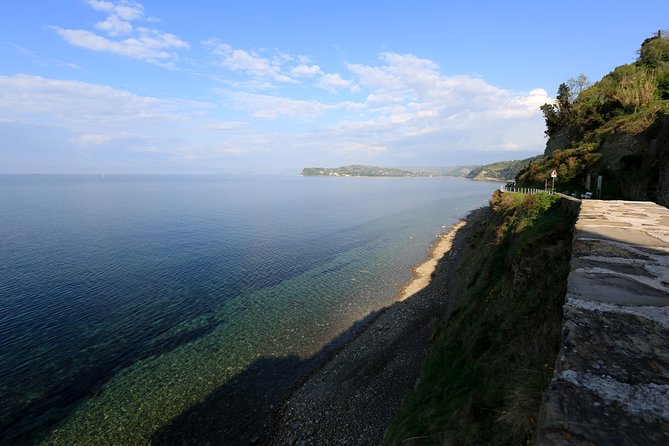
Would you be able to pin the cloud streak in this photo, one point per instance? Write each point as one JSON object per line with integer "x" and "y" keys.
{"x": 126, "y": 10}
{"x": 270, "y": 107}
{"x": 123, "y": 38}
{"x": 333, "y": 82}
{"x": 97, "y": 115}
{"x": 248, "y": 62}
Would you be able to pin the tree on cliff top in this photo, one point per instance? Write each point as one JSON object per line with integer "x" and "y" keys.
{"x": 629, "y": 100}
{"x": 654, "y": 51}
{"x": 583, "y": 106}
{"x": 654, "y": 54}
{"x": 561, "y": 113}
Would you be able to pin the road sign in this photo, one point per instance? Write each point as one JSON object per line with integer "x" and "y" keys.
{"x": 554, "y": 174}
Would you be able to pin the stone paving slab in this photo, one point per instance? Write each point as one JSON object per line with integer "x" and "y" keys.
{"x": 621, "y": 253}
{"x": 611, "y": 379}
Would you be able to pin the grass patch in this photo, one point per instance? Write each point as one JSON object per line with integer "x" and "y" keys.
{"x": 483, "y": 380}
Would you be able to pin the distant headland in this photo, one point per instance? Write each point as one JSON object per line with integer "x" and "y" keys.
{"x": 500, "y": 171}
{"x": 372, "y": 171}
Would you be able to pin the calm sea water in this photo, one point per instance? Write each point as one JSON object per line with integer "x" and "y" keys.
{"x": 127, "y": 300}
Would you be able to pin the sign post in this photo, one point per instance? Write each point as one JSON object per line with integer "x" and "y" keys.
{"x": 553, "y": 176}
{"x": 599, "y": 186}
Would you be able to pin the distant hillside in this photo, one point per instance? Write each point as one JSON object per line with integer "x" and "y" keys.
{"x": 371, "y": 171}
{"x": 355, "y": 171}
{"x": 616, "y": 128}
{"x": 452, "y": 171}
{"x": 503, "y": 170}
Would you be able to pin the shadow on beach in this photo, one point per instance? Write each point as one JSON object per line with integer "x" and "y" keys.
{"x": 349, "y": 391}
{"x": 241, "y": 411}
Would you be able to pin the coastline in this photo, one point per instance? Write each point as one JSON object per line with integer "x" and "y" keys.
{"x": 422, "y": 273}
{"x": 354, "y": 394}
{"x": 350, "y": 390}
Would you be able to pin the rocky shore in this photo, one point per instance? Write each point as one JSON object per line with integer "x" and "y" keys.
{"x": 349, "y": 391}
{"x": 352, "y": 398}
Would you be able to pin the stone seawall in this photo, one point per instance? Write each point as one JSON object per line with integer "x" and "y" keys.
{"x": 611, "y": 378}
{"x": 570, "y": 205}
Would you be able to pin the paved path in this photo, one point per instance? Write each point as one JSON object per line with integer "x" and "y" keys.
{"x": 611, "y": 381}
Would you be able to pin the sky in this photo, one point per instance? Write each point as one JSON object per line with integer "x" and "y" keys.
{"x": 270, "y": 87}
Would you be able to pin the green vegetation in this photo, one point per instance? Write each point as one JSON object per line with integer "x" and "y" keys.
{"x": 568, "y": 164}
{"x": 503, "y": 170}
{"x": 370, "y": 171}
{"x": 483, "y": 379}
{"x": 454, "y": 171}
{"x": 355, "y": 171}
{"x": 585, "y": 120}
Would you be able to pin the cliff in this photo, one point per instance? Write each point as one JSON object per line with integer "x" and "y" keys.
{"x": 492, "y": 357}
{"x": 616, "y": 128}
{"x": 633, "y": 163}
{"x": 531, "y": 279}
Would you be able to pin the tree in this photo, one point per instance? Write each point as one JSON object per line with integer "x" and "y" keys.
{"x": 564, "y": 101}
{"x": 654, "y": 51}
{"x": 559, "y": 114}
{"x": 577, "y": 84}
{"x": 551, "y": 117}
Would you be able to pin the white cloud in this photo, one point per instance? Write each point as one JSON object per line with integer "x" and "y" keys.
{"x": 415, "y": 73}
{"x": 417, "y": 101}
{"x": 414, "y": 112}
{"x": 115, "y": 26}
{"x": 148, "y": 44}
{"x": 305, "y": 70}
{"x": 90, "y": 117}
{"x": 126, "y": 10}
{"x": 382, "y": 99}
{"x": 255, "y": 84}
{"x": 93, "y": 111}
{"x": 224, "y": 126}
{"x": 379, "y": 79}
{"x": 334, "y": 82}
{"x": 249, "y": 62}
{"x": 272, "y": 107}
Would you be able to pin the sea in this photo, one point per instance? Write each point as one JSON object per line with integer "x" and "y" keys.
{"x": 132, "y": 303}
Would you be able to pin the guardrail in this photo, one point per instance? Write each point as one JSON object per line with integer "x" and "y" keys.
{"x": 525, "y": 190}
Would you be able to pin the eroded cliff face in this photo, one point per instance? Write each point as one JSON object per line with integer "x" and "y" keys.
{"x": 636, "y": 163}
{"x": 640, "y": 162}
{"x": 662, "y": 148}
{"x": 561, "y": 140}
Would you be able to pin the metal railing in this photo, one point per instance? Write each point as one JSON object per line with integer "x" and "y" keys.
{"x": 525, "y": 190}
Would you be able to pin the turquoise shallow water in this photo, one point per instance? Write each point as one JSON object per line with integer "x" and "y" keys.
{"x": 127, "y": 300}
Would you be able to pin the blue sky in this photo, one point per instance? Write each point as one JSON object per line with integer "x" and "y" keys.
{"x": 98, "y": 86}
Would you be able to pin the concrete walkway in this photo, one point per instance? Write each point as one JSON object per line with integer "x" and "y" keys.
{"x": 611, "y": 380}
